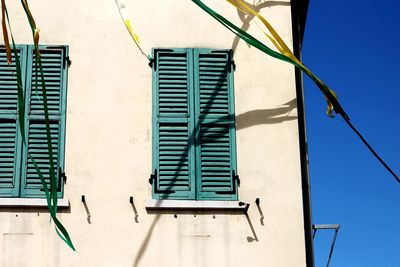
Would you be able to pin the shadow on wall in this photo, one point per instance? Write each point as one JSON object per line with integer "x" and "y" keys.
{"x": 266, "y": 116}
{"x": 183, "y": 157}
{"x": 158, "y": 213}
{"x": 146, "y": 241}
{"x": 248, "y": 119}
{"x": 246, "y": 19}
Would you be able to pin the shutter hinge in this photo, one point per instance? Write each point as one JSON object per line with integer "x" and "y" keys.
{"x": 68, "y": 61}
{"x": 153, "y": 177}
{"x": 151, "y": 61}
{"x": 232, "y": 65}
{"x": 235, "y": 177}
{"x": 61, "y": 178}
{"x": 231, "y": 62}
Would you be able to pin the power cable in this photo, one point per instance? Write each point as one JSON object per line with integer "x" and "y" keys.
{"x": 347, "y": 120}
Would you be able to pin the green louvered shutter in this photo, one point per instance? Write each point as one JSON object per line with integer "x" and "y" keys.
{"x": 173, "y": 150}
{"x": 215, "y": 125}
{"x": 10, "y": 141}
{"x": 55, "y": 76}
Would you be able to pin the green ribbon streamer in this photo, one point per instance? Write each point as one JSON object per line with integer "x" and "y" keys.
{"x": 53, "y": 181}
{"x": 51, "y": 196}
{"x": 257, "y": 44}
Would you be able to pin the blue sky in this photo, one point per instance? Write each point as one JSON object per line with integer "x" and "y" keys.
{"x": 354, "y": 47}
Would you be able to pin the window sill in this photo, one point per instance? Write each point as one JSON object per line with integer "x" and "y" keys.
{"x": 155, "y": 204}
{"x": 31, "y": 202}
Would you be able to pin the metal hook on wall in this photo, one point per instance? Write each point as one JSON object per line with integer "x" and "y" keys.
{"x": 134, "y": 209}
{"x": 83, "y": 199}
{"x": 260, "y": 211}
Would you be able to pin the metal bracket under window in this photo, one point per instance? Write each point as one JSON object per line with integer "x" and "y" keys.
{"x": 246, "y": 205}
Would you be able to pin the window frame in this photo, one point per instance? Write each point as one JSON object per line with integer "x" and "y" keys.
{"x": 193, "y": 119}
{"x": 20, "y": 190}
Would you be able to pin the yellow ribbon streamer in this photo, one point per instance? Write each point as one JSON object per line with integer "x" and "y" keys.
{"x": 121, "y": 8}
{"x": 278, "y": 42}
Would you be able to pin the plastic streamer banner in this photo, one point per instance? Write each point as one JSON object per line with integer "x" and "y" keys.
{"x": 51, "y": 195}
{"x": 122, "y": 11}
{"x": 284, "y": 52}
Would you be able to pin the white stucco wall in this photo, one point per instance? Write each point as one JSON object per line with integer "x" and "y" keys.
{"x": 108, "y": 144}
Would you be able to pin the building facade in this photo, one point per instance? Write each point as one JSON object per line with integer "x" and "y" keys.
{"x": 197, "y": 159}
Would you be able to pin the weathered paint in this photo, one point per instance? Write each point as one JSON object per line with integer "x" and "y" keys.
{"x": 108, "y": 145}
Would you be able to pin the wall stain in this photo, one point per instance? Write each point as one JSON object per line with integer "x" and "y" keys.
{"x": 17, "y": 234}
{"x": 196, "y": 235}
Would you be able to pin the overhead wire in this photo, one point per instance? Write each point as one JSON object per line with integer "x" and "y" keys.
{"x": 372, "y": 150}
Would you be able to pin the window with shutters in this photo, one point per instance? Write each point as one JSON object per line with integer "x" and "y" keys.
{"x": 194, "y": 147}
{"x": 18, "y": 176}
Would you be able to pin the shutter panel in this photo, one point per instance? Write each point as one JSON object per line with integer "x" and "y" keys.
{"x": 9, "y": 160}
{"x": 213, "y": 84}
{"x": 54, "y": 71}
{"x": 37, "y": 146}
{"x": 216, "y": 156}
{"x": 174, "y": 174}
{"x": 172, "y": 71}
{"x": 52, "y": 63}
{"x": 173, "y": 150}
{"x": 10, "y": 142}
{"x": 8, "y": 81}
